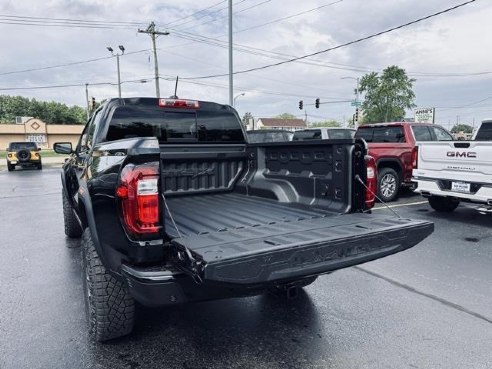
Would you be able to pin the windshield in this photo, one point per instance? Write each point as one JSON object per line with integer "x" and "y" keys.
{"x": 268, "y": 136}
{"x": 22, "y": 146}
{"x": 341, "y": 133}
{"x": 174, "y": 126}
{"x": 308, "y": 134}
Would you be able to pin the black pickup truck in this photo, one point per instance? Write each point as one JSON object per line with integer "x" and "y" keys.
{"x": 173, "y": 205}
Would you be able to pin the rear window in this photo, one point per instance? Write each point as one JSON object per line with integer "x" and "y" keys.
{"x": 484, "y": 132}
{"x": 390, "y": 134}
{"x": 310, "y": 134}
{"x": 174, "y": 126}
{"x": 22, "y": 145}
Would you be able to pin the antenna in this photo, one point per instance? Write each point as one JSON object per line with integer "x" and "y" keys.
{"x": 175, "y": 96}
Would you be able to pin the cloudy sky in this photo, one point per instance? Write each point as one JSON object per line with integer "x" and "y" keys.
{"x": 448, "y": 55}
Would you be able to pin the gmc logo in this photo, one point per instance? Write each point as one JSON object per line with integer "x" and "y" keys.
{"x": 464, "y": 154}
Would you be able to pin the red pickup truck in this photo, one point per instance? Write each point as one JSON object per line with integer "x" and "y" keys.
{"x": 392, "y": 145}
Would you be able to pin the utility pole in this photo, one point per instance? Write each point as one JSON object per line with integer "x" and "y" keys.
{"x": 87, "y": 100}
{"x": 153, "y": 33}
{"x": 231, "y": 87}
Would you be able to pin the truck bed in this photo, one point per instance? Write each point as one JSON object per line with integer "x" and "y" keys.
{"x": 204, "y": 214}
{"x": 246, "y": 239}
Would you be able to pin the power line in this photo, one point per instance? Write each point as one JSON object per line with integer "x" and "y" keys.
{"x": 68, "y": 64}
{"x": 139, "y": 80}
{"x": 342, "y": 45}
{"x": 235, "y": 13}
{"x": 209, "y": 14}
{"x": 289, "y": 17}
{"x": 264, "y": 92}
{"x": 68, "y": 20}
{"x": 195, "y": 13}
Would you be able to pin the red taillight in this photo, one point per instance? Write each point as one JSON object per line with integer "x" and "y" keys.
{"x": 174, "y": 103}
{"x": 371, "y": 182}
{"x": 415, "y": 157}
{"x": 138, "y": 192}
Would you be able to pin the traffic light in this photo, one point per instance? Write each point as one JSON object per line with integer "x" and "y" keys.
{"x": 316, "y": 103}
{"x": 356, "y": 114}
{"x": 93, "y": 102}
{"x": 301, "y": 105}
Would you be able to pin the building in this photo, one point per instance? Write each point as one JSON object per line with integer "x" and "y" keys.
{"x": 278, "y": 123}
{"x": 35, "y": 130}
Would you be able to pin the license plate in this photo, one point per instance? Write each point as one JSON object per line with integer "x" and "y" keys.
{"x": 13, "y": 162}
{"x": 460, "y": 187}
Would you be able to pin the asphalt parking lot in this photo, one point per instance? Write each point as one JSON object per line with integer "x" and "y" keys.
{"x": 428, "y": 307}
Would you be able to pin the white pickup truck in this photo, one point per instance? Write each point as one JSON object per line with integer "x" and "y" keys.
{"x": 450, "y": 172}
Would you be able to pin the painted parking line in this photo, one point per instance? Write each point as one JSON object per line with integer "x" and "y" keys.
{"x": 400, "y": 205}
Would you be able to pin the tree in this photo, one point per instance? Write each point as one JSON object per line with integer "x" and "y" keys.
{"x": 49, "y": 112}
{"x": 247, "y": 118}
{"x": 387, "y": 96}
{"x": 326, "y": 123}
{"x": 465, "y": 128}
{"x": 286, "y": 116}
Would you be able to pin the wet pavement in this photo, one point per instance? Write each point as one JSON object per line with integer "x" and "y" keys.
{"x": 428, "y": 307}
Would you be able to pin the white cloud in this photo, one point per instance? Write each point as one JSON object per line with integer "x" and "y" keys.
{"x": 450, "y": 43}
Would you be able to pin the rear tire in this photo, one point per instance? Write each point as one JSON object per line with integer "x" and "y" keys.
{"x": 72, "y": 226}
{"x": 109, "y": 306}
{"x": 40, "y": 166}
{"x": 388, "y": 184}
{"x": 443, "y": 204}
{"x": 10, "y": 167}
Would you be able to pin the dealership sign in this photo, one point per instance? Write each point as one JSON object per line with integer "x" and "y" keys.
{"x": 425, "y": 115}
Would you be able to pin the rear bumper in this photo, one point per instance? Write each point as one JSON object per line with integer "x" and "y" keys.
{"x": 481, "y": 192}
{"x": 165, "y": 288}
{"x": 253, "y": 275}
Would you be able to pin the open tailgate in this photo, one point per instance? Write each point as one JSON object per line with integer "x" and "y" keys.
{"x": 289, "y": 250}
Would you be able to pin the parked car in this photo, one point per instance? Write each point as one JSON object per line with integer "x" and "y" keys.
{"x": 392, "y": 145}
{"x": 450, "y": 172}
{"x": 269, "y": 135}
{"x": 173, "y": 205}
{"x": 23, "y": 154}
{"x": 323, "y": 133}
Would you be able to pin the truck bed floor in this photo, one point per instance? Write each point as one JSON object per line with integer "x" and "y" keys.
{"x": 204, "y": 214}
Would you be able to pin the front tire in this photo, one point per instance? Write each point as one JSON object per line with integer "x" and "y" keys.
{"x": 72, "y": 226}
{"x": 388, "y": 184}
{"x": 10, "y": 167}
{"x": 40, "y": 166}
{"x": 110, "y": 307}
{"x": 443, "y": 204}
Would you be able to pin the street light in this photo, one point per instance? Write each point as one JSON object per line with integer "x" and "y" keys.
{"x": 122, "y": 48}
{"x": 235, "y": 97}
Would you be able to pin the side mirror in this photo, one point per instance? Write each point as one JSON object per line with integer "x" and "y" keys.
{"x": 63, "y": 148}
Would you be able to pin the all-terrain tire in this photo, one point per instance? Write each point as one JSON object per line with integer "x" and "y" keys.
{"x": 443, "y": 204}
{"x": 40, "y": 166}
{"x": 10, "y": 167}
{"x": 110, "y": 307}
{"x": 388, "y": 184}
{"x": 72, "y": 226}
